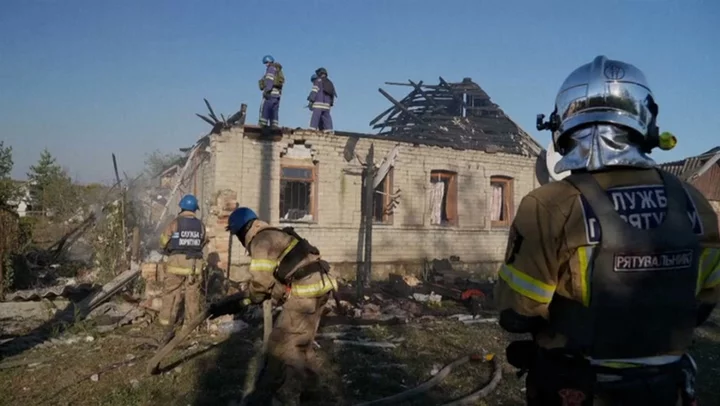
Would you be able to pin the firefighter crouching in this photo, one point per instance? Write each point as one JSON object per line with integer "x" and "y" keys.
{"x": 183, "y": 241}
{"x": 611, "y": 268}
{"x": 289, "y": 269}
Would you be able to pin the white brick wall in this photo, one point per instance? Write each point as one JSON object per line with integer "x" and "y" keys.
{"x": 251, "y": 168}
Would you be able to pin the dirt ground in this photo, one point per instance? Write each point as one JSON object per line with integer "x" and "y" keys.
{"x": 212, "y": 370}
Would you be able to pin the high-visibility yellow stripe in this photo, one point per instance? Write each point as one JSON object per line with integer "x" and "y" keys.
{"x": 327, "y": 284}
{"x": 269, "y": 76}
{"x": 287, "y": 249}
{"x": 526, "y": 285}
{"x": 709, "y": 269}
{"x": 584, "y": 257}
{"x": 263, "y": 265}
{"x": 713, "y": 280}
{"x": 315, "y": 88}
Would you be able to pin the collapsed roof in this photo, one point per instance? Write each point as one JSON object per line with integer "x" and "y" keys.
{"x": 457, "y": 115}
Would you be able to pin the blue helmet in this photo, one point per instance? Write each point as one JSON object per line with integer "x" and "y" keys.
{"x": 268, "y": 59}
{"x": 313, "y": 78}
{"x": 189, "y": 203}
{"x": 239, "y": 219}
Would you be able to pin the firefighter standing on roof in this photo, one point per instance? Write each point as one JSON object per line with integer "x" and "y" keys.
{"x": 183, "y": 241}
{"x": 611, "y": 268}
{"x": 287, "y": 268}
{"x": 271, "y": 86}
{"x": 321, "y": 98}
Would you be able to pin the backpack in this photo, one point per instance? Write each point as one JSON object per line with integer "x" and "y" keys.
{"x": 279, "y": 76}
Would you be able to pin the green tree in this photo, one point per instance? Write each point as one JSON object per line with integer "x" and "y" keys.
{"x": 8, "y": 189}
{"x": 156, "y": 162}
{"x": 51, "y": 189}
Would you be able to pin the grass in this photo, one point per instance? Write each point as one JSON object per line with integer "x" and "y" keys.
{"x": 213, "y": 371}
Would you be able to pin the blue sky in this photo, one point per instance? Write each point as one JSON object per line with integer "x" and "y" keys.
{"x": 87, "y": 78}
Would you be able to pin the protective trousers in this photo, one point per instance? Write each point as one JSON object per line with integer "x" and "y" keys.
{"x": 270, "y": 111}
{"x": 179, "y": 290}
{"x": 290, "y": 365}
{"x": 563, "y": 383}
{"x": 321, "y": 120}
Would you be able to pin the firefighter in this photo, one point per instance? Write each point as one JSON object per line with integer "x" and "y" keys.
{"x": 322, "y": 98}
{"x": 611, "y": 304}
{"x": 288, "y": 269}
{"x": 271, "y": 85}
{"x": 183, "y": 241}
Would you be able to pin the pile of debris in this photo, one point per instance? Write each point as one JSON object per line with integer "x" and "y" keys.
{"x": 443, "y": 292}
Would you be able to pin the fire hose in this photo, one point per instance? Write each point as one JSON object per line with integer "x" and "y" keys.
{"x": 229, "y": 305}
{"x": 440, "y": 376}
{"x": 154, "y": 364}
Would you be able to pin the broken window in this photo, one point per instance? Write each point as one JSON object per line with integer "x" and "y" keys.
{"x": 443, "y": 198}
{"x": 382, "y": 210}
{"x": 501, "y": 201}
{"x": 297, "y": 193}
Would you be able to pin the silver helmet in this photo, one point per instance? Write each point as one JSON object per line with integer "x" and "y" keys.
{"x": 604, "y": 91}
{"x": 605, "y": 114}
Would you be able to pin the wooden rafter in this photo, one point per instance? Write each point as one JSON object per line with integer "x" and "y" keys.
{"x": 457, "y": 114}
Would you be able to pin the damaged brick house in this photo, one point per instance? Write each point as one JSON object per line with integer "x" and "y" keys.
{"x": 453, "y": 169}
{"x": 703, "y": 172}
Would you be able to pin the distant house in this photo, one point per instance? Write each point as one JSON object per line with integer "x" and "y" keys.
{"x": 703, "y": 172}
{"x": 22, "y": 204}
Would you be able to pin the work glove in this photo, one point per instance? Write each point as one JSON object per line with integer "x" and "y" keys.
{"x": 266, "y": 94}
{"x": 228, "y": 307}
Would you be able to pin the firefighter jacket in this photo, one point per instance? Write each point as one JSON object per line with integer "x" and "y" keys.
{"x": 283, "y": 264}
{"x": 183, "y": 241}
{"x": 268, "y": 81}
{"x": 609, "y": 281}
{"x": 321, "y": 95}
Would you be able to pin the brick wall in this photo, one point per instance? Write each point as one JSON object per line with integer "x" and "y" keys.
{"x": 245, "y": 169}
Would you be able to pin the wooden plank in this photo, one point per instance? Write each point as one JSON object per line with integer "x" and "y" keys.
{"x": 392, "y": 109}
{"x": 388, "y": 162}
{"x": 418, "y": 88}
{"x": 455, "y": 96}
{"x": 210, "y": 110}
{"x": 400, "y": 106}
{"x": 177, "y": 185}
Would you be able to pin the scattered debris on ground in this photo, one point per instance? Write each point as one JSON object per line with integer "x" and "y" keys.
{"x": 432, "y": 340}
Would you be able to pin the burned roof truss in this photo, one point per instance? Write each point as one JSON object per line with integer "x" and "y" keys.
{"x": 219, "y": 124}
{"x": 458, "y": 115}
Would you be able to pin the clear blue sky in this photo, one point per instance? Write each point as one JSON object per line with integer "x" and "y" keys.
{"x": 86, "y": 78}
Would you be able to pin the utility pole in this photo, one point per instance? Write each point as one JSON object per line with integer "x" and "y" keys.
{"x": 364, "y": 275}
